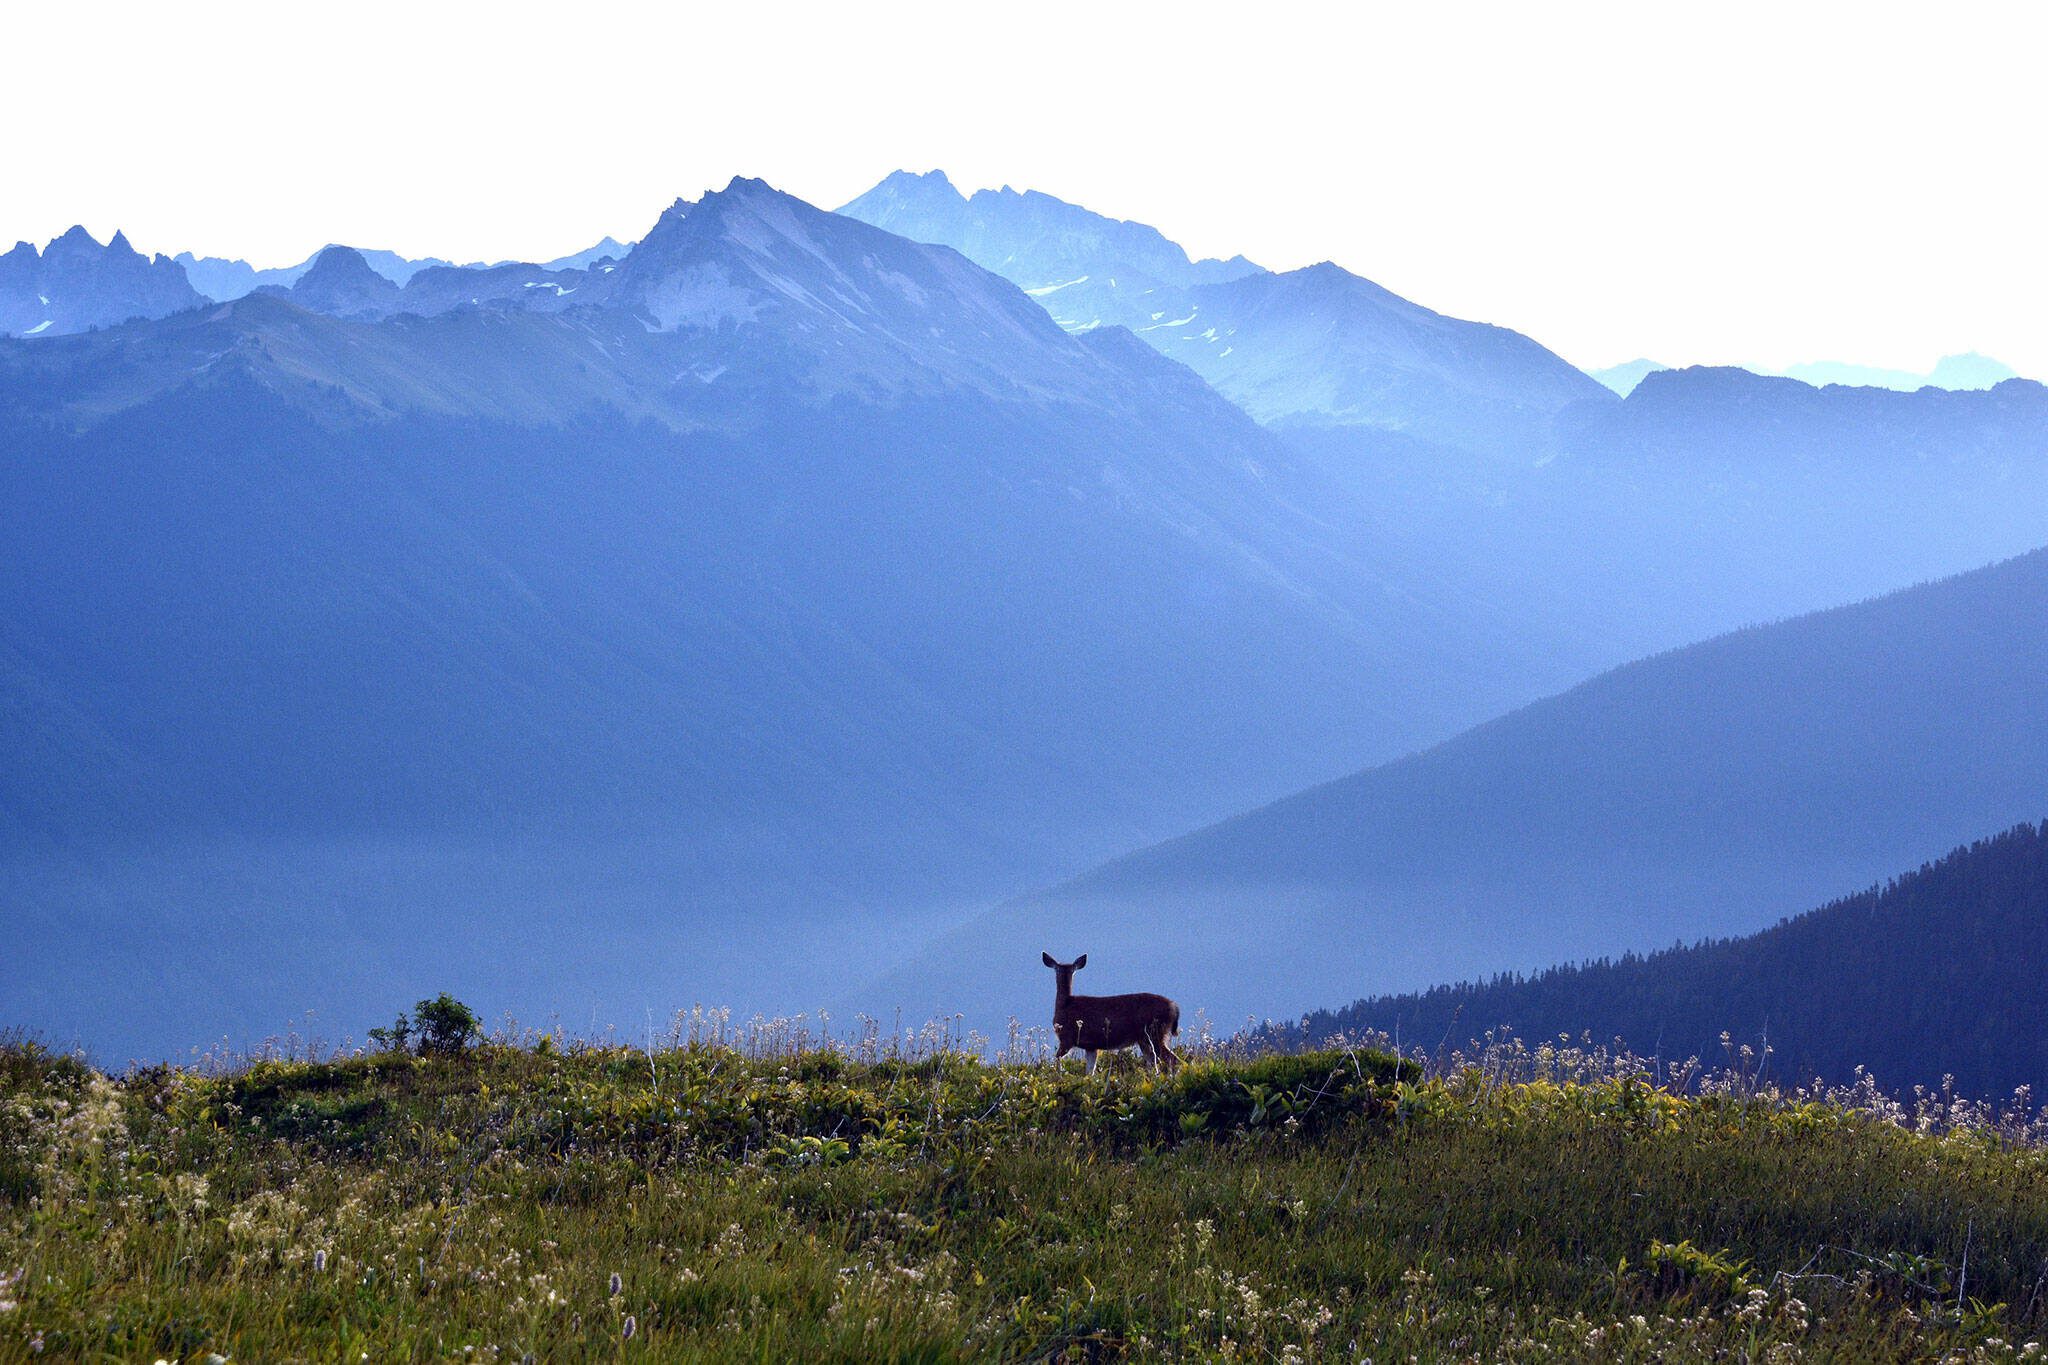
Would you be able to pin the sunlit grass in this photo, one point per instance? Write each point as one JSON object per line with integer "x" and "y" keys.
{"x": 758, "y": 1196}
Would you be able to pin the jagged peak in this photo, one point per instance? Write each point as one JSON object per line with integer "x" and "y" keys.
{"x": 925, "y": 180}
{"x": 932, "y": 189}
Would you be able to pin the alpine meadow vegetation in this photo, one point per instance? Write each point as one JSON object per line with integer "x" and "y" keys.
{"x": 762, "y": 1193}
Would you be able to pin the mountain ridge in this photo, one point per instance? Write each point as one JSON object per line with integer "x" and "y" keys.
{"x": 1709, "y": 789}
{"x": 1317, "y": 346}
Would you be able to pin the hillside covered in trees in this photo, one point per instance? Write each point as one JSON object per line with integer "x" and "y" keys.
{"x": 1938, "y": 973}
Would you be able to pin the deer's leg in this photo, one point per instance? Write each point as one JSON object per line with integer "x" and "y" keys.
{"x": 1145, "y": 1050}
{"x": 1168, "y": 1059}
{"x": 1091, "y": 1061}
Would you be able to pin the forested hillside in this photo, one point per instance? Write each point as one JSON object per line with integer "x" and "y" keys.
{"x": 1936, "y": 973}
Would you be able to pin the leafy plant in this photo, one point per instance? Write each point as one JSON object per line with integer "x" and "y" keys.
{"x": 1680, "y": 1267}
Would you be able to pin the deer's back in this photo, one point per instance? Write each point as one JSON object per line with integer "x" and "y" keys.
{"x": 1112, "y": 1011}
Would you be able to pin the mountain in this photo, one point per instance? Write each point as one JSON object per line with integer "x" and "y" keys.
{"x": 1969, "y": 371}
{"x": 701, "y": 628}
{"x": 1037, "y": 238}
{"x": 224, "y": 279}
{"x": 1623, "y": 378}
{"x": 1925, "y": 977}
{"x": 1707, "y": 791}
{"x": 1710, "y": 499}
{"x": 74, "y": 284}
{"x": 1318, "y": 347}
{"x": 341, "y": 283}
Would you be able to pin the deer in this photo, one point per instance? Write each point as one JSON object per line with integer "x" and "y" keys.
{"x": 1109, "y": 1023}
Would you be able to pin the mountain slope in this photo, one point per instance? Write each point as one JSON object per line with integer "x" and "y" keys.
{"x": 1706, "y": 791}
{"x": 1936, "y": 973}
{"x": 1317, "y": 347}
{"x": 75, "y": 284}
{"x": 699, "y": 633}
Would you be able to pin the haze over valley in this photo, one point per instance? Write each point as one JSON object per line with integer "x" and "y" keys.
{"x": 768, "y": 611}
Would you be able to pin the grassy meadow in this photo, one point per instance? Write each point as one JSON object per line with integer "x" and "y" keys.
{"x": 754, "y": 1196}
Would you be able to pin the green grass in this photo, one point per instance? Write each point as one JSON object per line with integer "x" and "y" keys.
{"x": 810, "y": 1207}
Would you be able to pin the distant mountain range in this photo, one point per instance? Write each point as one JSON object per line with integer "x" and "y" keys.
{"x": 75, "y": 283}
{"x": 1708, "y": 791}
{"x": 651, "y": 633}
{"x": 1317, "y": 347}
{"x": 1935, "y": 974}
{"x": 224, "y": 280}
{"x": 1967, "y": 371}
{"x": 713, "y": 618}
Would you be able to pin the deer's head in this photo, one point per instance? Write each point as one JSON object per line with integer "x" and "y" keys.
{"x": 1063, "y": 972}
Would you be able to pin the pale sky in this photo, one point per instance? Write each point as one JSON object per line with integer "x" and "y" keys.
{"x": 1699, "y": 183}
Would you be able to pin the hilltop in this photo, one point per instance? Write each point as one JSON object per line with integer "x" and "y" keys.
{"x": 752, "y": 1197}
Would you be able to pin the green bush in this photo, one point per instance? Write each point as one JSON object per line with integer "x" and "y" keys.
{"x": 440, "y": 1027}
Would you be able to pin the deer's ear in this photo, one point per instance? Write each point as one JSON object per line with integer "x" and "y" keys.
{"x": 1047, "y": 959}
{"x": 1080, "y": 962}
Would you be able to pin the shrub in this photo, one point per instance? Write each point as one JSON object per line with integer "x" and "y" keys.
{"x": 440, "y": 1027}
{"x": 446, "y": 1026}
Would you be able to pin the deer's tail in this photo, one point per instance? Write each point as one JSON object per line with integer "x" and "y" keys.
{"x": 1172, "y": 1020}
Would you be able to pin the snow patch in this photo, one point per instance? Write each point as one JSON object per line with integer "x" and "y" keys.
{"x": 39, "y": 326}
{"x": 1045, "y": 289}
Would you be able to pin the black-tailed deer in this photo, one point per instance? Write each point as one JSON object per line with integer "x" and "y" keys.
{"x": 1106, "y": 1023}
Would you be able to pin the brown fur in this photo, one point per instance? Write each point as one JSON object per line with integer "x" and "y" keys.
{"x": 1106, "y": 1023}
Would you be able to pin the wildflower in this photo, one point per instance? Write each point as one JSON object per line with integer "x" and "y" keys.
{"x": 320, "y": 1262}
{"x": 618, "y": 1285}
{"x": 628, "y": 1328}
{"x": 35, "y": 1344}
